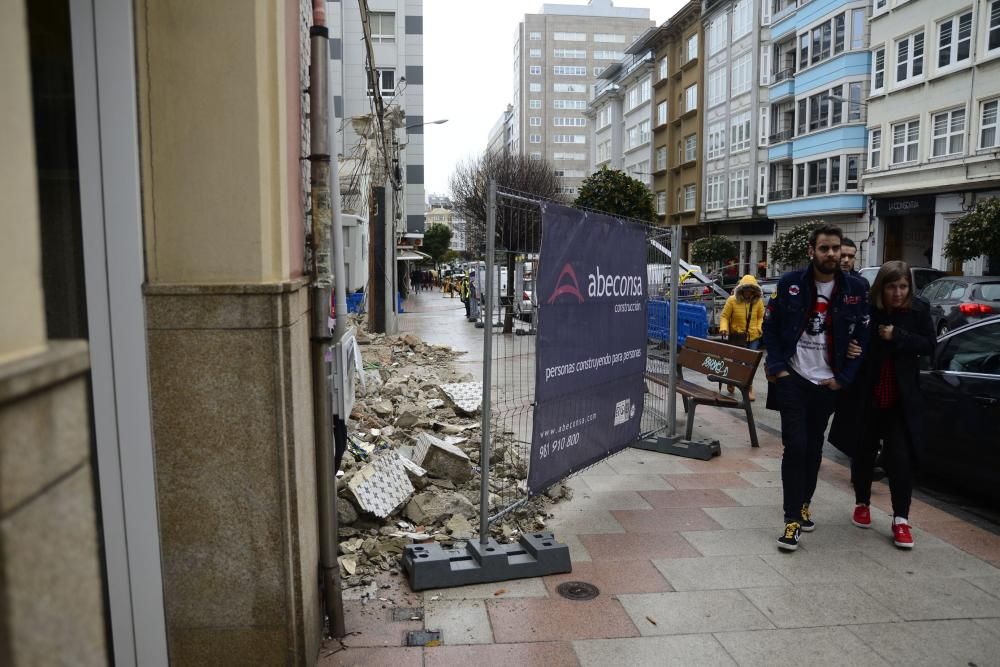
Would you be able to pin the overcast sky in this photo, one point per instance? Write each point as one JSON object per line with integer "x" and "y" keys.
{"x": 468, "y": 73}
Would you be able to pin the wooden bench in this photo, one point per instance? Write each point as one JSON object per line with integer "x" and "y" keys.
{"x": 722, "y": 363}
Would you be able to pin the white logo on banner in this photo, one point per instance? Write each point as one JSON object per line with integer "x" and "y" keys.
{"x": 624, "y": 411}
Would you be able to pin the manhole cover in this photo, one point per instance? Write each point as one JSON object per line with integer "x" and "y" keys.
{"x": 423, "y": 637}
{"x": 578, "y": 590}
{"x": 408, "y": 614}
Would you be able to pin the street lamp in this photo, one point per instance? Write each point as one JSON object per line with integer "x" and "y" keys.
{"x": 838, "y": 98}
{"x": 430, "y": 122}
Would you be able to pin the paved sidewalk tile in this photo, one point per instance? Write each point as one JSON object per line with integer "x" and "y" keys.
{"x": 988, "y": 583}
{"x": 613, "y": 577}
{"x": 747, "y": 517}
{"x": 636, "y": 482}
{"x": 408, "y": 656}
{"x": 693, "y": 612}
{"x": 460, "y": 621}
{"x": 601, "y": 468}
{"x": 740, "y": 542}
{"x": 698, "y": 498}
{"x": 976, "y": 541}
{"x": 550, "y": 654}
{"x": 370, "y": 625}
{"x": 573, "y": 521}
{"x": 822, "y": 646}
{"x": 557, "y": 620}
{"x": 610, "y": 500}
{"x": 932, "y": 643}
{"x": 827, "y": 567}
{"x": 677, "y": 651}
{"x": 875, "y": 540}
{"x": 942, "y": 561}
{"x": 768, "y": 479}
{"x": 577, "y": 552}
{"x": 818, "y": 605}
{"x": 664, "y": 521}
{"x": 651, "y": 463}
{"x": 707, "y": 480}
{"x": 930, "y": 599}
{"x": 514, "y": 588}
{"x": 718, "y": 573}
{"x": 722, "y": 463}
{"x": 637, "y": 546}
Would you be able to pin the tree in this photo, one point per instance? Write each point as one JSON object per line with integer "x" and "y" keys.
{"x": 712, "y": 249}
{"x": 437, "y": 238}
{"x": 976, "y": 233}
{"x": 518, "y": 226}
{"x": 791, "y": 249}
{"x": 618, "y": 194}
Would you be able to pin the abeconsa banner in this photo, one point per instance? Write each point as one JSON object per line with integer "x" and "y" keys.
{"x": 591, "y": 342}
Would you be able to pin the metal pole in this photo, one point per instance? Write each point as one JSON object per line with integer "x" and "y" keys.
{"x": 321, "y": 291}
{"x": 484, "y": 446}
{"x": 675, "y": 243}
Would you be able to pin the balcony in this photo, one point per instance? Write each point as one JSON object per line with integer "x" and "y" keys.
{"x": 786, "y": 73}
{"x": 779, "y": 195}
{"x": 783, "y": 135}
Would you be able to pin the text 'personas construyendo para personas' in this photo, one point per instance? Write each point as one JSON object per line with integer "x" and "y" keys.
{"x": 591, "y": 343}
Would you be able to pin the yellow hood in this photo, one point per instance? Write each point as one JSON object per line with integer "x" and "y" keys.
{"x": 748, "y": 281}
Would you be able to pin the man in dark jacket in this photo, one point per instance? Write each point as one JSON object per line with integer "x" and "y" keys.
{"x": 808, "y": 324}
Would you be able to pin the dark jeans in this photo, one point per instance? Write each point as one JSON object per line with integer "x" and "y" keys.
{"x": 805, "y": 412}
{"x": 888, "y": 426}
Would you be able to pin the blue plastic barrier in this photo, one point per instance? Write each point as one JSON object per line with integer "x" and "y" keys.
{"x": 354, "y": 301}
{"x": 692, "y": 320}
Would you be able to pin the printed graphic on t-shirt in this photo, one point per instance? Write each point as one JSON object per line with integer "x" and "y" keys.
{"x": 817, "y": 319}
{"x": 810, "y": 360}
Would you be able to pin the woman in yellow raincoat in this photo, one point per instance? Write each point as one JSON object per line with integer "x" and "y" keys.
{"x": 742, "y": 319}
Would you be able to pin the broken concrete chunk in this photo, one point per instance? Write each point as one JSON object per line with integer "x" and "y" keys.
{"x": 417, "y": 475}
{"x": 382, "y": 486}
{"x": 459, "y": 527}
{"x": 412, "y": 340}
{"x": 442, "y": 459}
{"x": 383, "y": 408}
{"x": 465, "y": 397}
{"x": 409, "y": 415}
{"x": 434, "y": 404}
{"x": 432, "y": 507}
{"x": 346, "y": 514}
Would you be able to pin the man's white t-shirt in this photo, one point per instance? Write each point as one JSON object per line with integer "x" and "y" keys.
{"x": 810, "y": 360}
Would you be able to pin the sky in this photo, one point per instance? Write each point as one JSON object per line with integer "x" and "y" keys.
{"x": 468, "y": 73}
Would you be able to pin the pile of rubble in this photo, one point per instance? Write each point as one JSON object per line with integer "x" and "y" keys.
{"x": 411, "y": 472}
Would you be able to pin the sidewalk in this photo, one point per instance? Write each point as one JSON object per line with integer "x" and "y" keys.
{"x": 684, "y": 555}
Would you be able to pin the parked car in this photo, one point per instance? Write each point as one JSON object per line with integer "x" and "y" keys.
{"x": 524, "y": 307}
{"x": 922, "y": 276}
{"x": 962, "y": 391}
{"x": 768, "y": 286}
{"x": 958, "y": 300}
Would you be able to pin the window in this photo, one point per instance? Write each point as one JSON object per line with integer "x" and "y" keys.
{"x": 691, "y": 98}
{"x": 661, "y": 113}
{"x": 803, "y": 118}
{"x": 835, "y": 174}
{"x": 570, "y": 36}
{"x": 664, "y": 68}
{"x": 905, "y": 141}
{"x": 661, "y": 158}
{"x": 988, "y": 123}
{"x": 639, "y": 171}
{"x": 954, "y": 39}
{"x": 632, "y": 137}
{"x": 534, "y": 36}
{"x": 608, "y": 55}
{"x": 535, "y": 70}
{"x": 716, "y": 141}
{"x": 570, "y": 173}
{"x": 569, "y": 88}
{"x": 569, "y": 122}
{"x": 534, "y": 104}
{"x": 569, "y": 53}
{"x": 993, "y": 34}
{"x": 611, "y": 39}
{"x": 386, "y": 81}
{"x": 742, "y": 18}
{"x": 535, "y": 87}
{"x": 566, "y": 190}
{"x": 762, "y": 190}
{"x": 536, "y": 156}
{"x": 800, "y": 179}
{"x": 604, "y": 151}
{"x": 763, "y": 124}
{"x": 383, "y": 26}
{"x": 569, "y": 70}
{"x": 972, "y": 351}
{"x": 632, "y": 97}
{"x": 717, "y": 87}
{"x": 739, "y": 133}
{"x": 570, "y": 156}
{"x": 604, "y": 117}
{"x": 878, "y": 70}
{"x": 910, "y": 57}
{"x": 839, "y": 33}
{"x": 855, "y": 107}
{"x": 853, "y": 171}
{"x": 875, "y": 149}
{"x": 689, "y": 197}
{"x": 535, "y": 121}
{"x": 692, "y": 47}
{"x": 661, "y": 203}
{"x": 739, "y": 188}
{"x": 535, "y": 139}
{"x": 741, "y": 74}
{"x": 569, "y": 104}
{"x": 569, "y": 139}
{"x": 880, "y": 6}
{"x": 715, "y": 192}
{"x": 535, "y": 53}
{"x": 948, "y": 128}
{"x": 645, "y": 89}
{"x": 804, "y": 51}
{"x": 691, "y": 148}
{"x": 816, "y": 172}
{"x": 644, "y": 135}
{"x": 718, "y": 34}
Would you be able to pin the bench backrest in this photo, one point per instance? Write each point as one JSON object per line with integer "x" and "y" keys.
{"x": 712, "y": 358}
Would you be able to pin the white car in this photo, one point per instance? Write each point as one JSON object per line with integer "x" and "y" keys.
{"x": 524, "y": 307}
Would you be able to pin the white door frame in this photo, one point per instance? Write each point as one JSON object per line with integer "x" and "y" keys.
{"x": 110, "y": 202}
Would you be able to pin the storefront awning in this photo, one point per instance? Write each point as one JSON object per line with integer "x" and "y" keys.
{"x": 410, "y": 256}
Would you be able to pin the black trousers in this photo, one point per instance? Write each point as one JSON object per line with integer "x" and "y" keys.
{"x": 805, "y": 411}
{"x": 889, "y": 427}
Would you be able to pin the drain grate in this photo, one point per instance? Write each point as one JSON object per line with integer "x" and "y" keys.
{"x": 578, "y": 590}
{"x": 423, "y": 637}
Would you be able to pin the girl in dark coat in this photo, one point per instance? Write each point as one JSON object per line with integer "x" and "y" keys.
{"x": 885, "y": 400}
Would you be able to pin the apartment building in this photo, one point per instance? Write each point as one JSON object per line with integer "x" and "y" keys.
{"x": 933, "y": 142}
{"x": 817, "y": 81}
{"x": 734, "y": 126}
{"x": 558, "y": 56}
{"x": 397, "y": 43}
{"x": 502, "y": 134}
